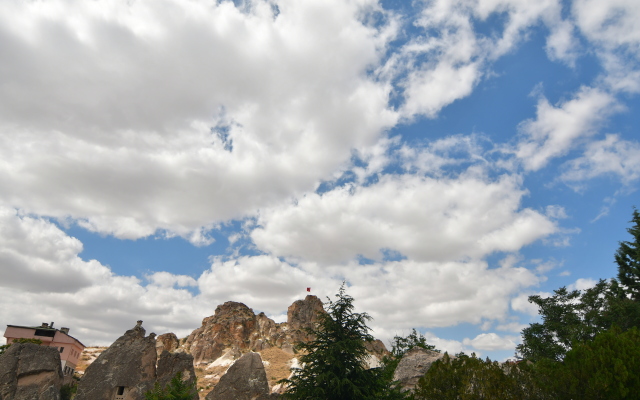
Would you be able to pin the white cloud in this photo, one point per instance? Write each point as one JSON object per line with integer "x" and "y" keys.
{"x": 612, "y": 27}
{"x": 422, "y": 218}
{"x": 556, "y": 129}
{"x": 611, "y": 156}
{"x": 491, "y": 341}
{"x": 582, "y": 284}
{"x": 444, "y": 67}
{"x": 433, "y": 158}
{"x": 44, "y": 279}
{"x": 166, "y": 279}
{"x": 120, "y": 139}
{"x": 511, "y": 327}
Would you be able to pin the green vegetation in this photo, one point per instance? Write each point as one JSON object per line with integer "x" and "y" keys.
{"x": 68, "y": 391}
{"x": 177, "y": 389}
{"x": 333, "y": 364}
{"x": 470, "y": 378}
{"x": 4, "y": 347}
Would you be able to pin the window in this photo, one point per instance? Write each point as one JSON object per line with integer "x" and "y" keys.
{"x": 61, "y": 350}
{"x": 45, "y": 332}
{"x": 119, "y": 393}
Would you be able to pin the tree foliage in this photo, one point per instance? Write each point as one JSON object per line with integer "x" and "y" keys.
{"x": 567, "y": 317}
{"x": 176, "y": 389}
{"x": 604, "y": 368}
{"x": 466, "y": 377}
{"x": 628, "y": 259}
{"x": 333, "y": 364}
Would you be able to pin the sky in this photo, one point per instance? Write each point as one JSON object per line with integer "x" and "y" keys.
{"x": 446, "y": 159}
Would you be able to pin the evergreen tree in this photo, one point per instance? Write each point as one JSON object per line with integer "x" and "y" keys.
{"x": 628, "y": 259}
{"x": 333, "y": 364}
{"x": 604, "y": 368}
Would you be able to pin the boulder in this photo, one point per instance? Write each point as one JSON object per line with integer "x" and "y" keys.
{"x": 30, "y": 372}
{"x": 413, "y": 365}
{"x": 168, "y": 341}
{"x": 170, "y": 364}
{"x": 244, "y": 380}
{"x": 126, "y": 370}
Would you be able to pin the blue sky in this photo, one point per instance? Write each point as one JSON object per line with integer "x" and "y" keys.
{"x": 445, "y": 158}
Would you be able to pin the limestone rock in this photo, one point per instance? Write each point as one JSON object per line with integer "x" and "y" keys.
{"x": 244, "y": 380}
{"x": 30, "y": 372}
{"x": 301, "y": 315}
{"x": 168, "y": 341}
{"x": 170, "y": 364}
{"x": 413, "y": 365}
{"x": 128, "y": 367}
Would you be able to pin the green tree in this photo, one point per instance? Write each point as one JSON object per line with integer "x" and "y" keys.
{"x": 466, "y": 377}
{"x": 567, "y": 317}
{"x": 628, "y": 259}
{"x": 604, "y": 368}
{"x": 176, "y": 389}
{"x": 333, "y": 364}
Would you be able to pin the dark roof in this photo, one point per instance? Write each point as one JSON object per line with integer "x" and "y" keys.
{"x": 46, "y": 329}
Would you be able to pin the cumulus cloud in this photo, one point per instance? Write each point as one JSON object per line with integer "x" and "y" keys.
{"x": 491, "y": 341}
{"x": 422, "y": 218}
{"x": 557, "y": 129}
{"x": 611, "y": 156}
{"x": 44, "y": 279}
{"x": 175, "y": 115}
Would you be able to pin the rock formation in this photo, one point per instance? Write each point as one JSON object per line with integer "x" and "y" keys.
{"x": 168, "y": 341}
{"x": 235, "y": 326}
{"x": 30, "y": 372}
{"x": 127, "y": 368}
{"x": 231, "y": 326}
{"x": 413, "y": 365}
{"x": 169, "y": 364}
{"x": 245, "y": 380}
{"x": 303, "y": 315}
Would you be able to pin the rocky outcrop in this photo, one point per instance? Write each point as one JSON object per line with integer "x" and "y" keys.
{"x": 231, "y": 326}
{"x": 413, "y": 365}
{"x": 30, "y": 372}
{"x": 170, "y": 364}
{"x": 126, "y": 368}
{"x": 168, "y": 341}
{"x": 303, "y": 315}
{"x": 245, "y": 380}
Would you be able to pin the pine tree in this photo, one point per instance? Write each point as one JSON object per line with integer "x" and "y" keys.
{"x": 333, "y": 364}
{"x": 628, "y": 259}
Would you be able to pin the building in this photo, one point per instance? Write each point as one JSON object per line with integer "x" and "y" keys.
{"x": 70, "y": 348}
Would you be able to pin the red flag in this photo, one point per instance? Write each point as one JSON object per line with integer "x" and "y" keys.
{"x": 308, "y": 289}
